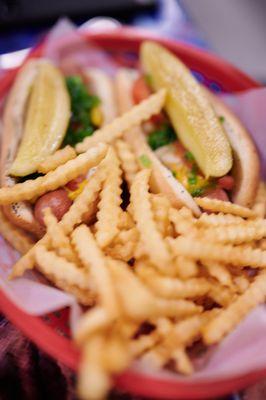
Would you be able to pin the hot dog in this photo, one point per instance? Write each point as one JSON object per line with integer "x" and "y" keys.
{"x": 16, "y": 121}
{"x": 160, "y": 141}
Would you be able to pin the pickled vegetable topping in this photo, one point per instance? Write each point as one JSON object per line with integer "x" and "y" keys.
{"x": 189, "y": 111}
{"x": 46, "y": 120}
{"x": 83, "y": 105}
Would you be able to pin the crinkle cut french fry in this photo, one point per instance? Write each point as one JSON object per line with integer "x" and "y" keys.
{"x": 219, "y": 272}
{"x": 183, "y": 363}
{"x": 183, "y": 222}
{"x": 91, "y": 322}
{"x": 53, "y": 161}
{"x": 124, "y": 244}
{"x": 127, "y": 235}
{"x": 155, "y": 357}
{"x": 143, "y": 343}
{"x": 59, "y": 240}
{"x": 185, "y": 267}
{"x": 60, "y": 269}
{"x": 229, "y": 318}
{"x": 83, "y": 296}
{"x": 73, "y": 217}
{"x": 221, "y": 295}
{"x": 84, "y": 203}
{"x": 262, "y": 244}
{"x": 122, "y": 252}
{"x": 201, "y": 250}
{"x": 109, "y": 205}
{"x": 226, "y": 207}
{"x": 242, "y": 283}
{"x": 116, "y": 357}
{"x": 150, "y": 236}
{"x": 135, "y": 116}
{"x": 183, "y": 333}
{"x": 259, "y": 206}
{"x": 125, "y": 220}
{"x": 54, "y": 179}
{"x": 171, "y": 288}
{"x": 160, "y": 208}
{"x": 94, "y": 261}
{"x": 93, "y": 381}
{"x": 15, "y": 236}
{"x": 236, "y": 234}
{"x": 219, "y": 219}
{"x": 145, "y": 305}
{"x": 128, "y": 160}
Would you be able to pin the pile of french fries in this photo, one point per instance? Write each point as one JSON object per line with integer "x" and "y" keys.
{"x": 140, "y": 262}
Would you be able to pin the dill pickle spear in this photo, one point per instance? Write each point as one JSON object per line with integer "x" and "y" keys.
{"x": 190, "y": 113}
{"x": 46, "y": 120}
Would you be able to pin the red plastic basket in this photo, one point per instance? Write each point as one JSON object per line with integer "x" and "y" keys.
{"x": 123, "y": 45}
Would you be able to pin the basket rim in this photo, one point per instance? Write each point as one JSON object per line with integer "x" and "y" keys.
{"x": 62, "y": 348}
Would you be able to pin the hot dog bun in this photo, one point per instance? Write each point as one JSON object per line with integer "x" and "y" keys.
{"x": 246, "y": 165}
{"x": 100, "y": 84}
{"x": 246, "y": 161}
{"x": 22, "y": 214}
{"x": 162, "y": 179}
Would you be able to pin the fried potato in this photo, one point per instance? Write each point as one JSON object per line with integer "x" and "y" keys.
{"x": 145, "y": 305}
{"x": 183, "y": 221}
{"x": 221, "y": 295}
{"x": 143, "y": 343}
{"x": 160, "y": 208}
{"x": 15, "y": 236}
{"x": 183, "y": 363}
{"x": 171, "y": 288}
{"x": 125, "y": 220}
{"x": 235, "y": 312}
{"x": 65, "y": 275}
{"x": 60, "y": 269}
{"x": 110, "y": 201}
{"x": 128, "y": 160}
{"x": 53, "y": 161}
{"x": 219, "y": 219}
{"x": 150, "y": 236}
{"x": 236, "y": 234}
{"x": 185, "y": 267}
{"x": 226, "y": 207}
{"x": 59, "y": 240}
{"x": 95, "y": 262}
{"x": 242, "y": 283}
{"x": 116, "y": 357}
{"x": 124, "y": 252}
{"x": 200, "y": 250}
{"x": 94, "y": 382}
{"x": 91, "y": 322}
{"x": 135, "y": 116}
{"x": 262, "y": 244}
{"x": 54, "y": 179}
{"x": 219, "y": 272}
{"x": 127, "y": 235}
{"x": 259, "y": 206}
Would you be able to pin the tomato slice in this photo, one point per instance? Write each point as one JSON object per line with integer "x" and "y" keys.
{"x": 140, "y": 90}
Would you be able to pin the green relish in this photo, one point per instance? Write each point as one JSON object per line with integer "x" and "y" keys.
{"x": 82, "y": 103}
{"x": 161, "y": 137}
{"x": 145, "y": 161}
